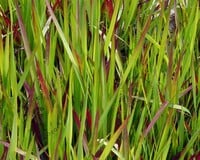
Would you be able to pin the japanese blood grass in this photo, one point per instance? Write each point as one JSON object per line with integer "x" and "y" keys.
{"x": 78, "y": 84}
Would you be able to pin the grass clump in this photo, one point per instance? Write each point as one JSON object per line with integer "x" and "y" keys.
{"x": 99, "y": 79}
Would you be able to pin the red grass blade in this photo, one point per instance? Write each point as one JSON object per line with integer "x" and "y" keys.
{"x": 78, "y": 123}
{"x": 23, "y": 31}
{"x": 155, "y": 118}
{"x": 43, "y": 86}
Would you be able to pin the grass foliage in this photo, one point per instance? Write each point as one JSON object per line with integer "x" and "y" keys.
{"x": 99, "y": 79}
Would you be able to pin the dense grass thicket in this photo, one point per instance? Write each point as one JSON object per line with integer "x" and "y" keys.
{"x": 99, "y": 79}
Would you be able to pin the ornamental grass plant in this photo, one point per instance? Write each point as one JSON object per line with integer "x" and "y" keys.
{"x": 99, "y": 79}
